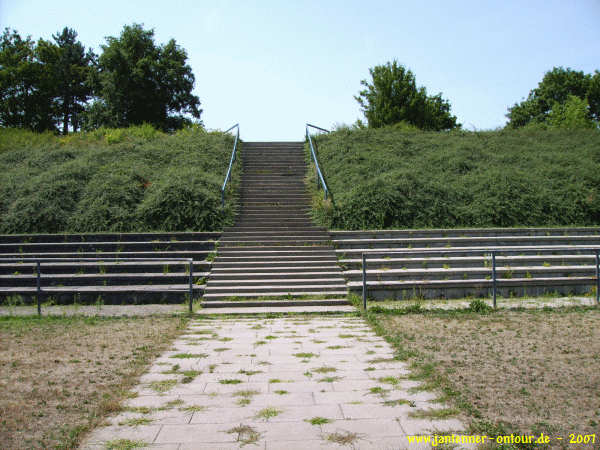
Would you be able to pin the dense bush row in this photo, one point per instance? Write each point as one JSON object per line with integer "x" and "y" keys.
{"x": 134, "y": 179}
{"x": 398, "y": 177}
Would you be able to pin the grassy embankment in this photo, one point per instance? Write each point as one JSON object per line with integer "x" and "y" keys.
{"x": 134, "y": 179}
{"x": 398, "y": 177}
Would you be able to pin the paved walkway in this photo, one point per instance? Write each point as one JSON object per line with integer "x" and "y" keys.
{"x": 297, "y": 382}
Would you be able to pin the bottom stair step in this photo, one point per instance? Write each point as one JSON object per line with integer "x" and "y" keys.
{"x": 273, "y": 303}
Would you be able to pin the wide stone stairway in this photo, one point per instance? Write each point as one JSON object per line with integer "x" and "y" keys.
{"x": 274, "y": 255}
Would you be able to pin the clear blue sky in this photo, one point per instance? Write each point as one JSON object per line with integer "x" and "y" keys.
{"x": 274, "y": 65}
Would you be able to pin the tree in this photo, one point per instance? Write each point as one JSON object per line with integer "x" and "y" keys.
{"x": 25, "y": 97}
{"x": 555, "y": 89}
{"x": 393, "y": 97}
{"x": 140, "y": 82}
{"x": 70, "y": 67}
{"x": 572, "y": 114}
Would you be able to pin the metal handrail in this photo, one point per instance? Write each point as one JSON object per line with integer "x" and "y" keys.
{"x": 492, "y": 252}
{"x": 38, "y": 264}
{"x": 231, "y": 161}
{"x": 314, "y": 156}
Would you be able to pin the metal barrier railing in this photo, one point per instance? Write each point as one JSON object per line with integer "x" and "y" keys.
{"x": 38, "y": 263}
{"x": 320, "y": 179}
{"x": 231, "y": 161}
{"x": 492, "y": 252}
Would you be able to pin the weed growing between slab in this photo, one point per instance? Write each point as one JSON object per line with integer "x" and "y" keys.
{"x": 124, "y": 444}
{"x": 318, "y": 420}
{"x": 245, "y": 434}
{"x": 268, "y": 413}
{"x": 343, "y": 438}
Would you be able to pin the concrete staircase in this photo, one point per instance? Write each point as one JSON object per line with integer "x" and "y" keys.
{"x": 428, "y": 269}
{"x": 274, "y": 255}
{"x": 156, "y": 279}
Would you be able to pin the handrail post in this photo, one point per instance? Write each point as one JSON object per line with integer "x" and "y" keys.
{"x": 191, "y": 284}
{"x": 597, "y": 277}
{"x": 39, "y": 288}
{"x": 494, "y": 276}
{"x": 364, "y": 280}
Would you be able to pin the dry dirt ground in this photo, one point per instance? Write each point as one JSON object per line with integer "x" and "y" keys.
{"x": 61, "y": 376}
{"x": 515, "y": 371}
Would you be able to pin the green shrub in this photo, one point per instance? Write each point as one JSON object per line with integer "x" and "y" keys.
{"x": 182, "y": 200}
{"x": 114, "y": 180}
{"x": 397, "y": 177}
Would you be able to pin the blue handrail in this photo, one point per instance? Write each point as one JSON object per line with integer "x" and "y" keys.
{"x": 231, "y": 161}
{"x": 320, "y": 178}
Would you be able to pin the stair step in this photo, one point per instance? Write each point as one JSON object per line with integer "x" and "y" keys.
{"x": 209, "y": 303}
{"x": 235, "y": 294}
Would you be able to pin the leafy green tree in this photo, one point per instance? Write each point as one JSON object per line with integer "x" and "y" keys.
{"x": 25, "y": 96}
{"x": 572, "y": 114}
{"x": 392, "y": 96}
{"x": 70, "y": 67}
{"x": 141, "y": 82}
{"x": 556, "y": 88}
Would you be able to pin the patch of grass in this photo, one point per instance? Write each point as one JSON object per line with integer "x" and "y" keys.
{"x": 162, "y": 386}
{"x": 305, "y": 355}
{"x": 324, "y": 369}
{"x": 318, "y": 420}
{"x": 136, "y": 422}
{"x": 378, "y": 390}
{"x": 230, "y": 381}
{"x": 221, "y": 349}
{"x": 268, "y": 413}
{"x": 398, "y": 402}
{"x": 394, "y": 381}
{"x": 329, "y": 379}
{"x": 434, "y": 414}
{"x": 347, "y": 438}
{"x": 336, "y": 347}
{"x": 171, "y": 404}
{"x": 193, "y": 408}
{"x": 124, "y": 444}
{"x": 249, "y": 372}
{"x": 189, "y": 355}
{"x": 281, "y": 392}
{"x": 274, "y": 380}
{"x": 245, "y": 434}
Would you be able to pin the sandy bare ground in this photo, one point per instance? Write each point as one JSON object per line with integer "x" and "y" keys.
{"x": 517, "y": 371}
{"x": 61, "y": 376}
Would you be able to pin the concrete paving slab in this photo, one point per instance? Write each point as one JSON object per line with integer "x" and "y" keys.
{"x": 215, "y": 412}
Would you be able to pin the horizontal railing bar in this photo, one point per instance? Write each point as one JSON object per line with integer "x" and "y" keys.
{"x": 318, "y": 128}
{"x": 231, "y": 128}
{"x": 479, "y": 250}
{"x": 16, "y": 258}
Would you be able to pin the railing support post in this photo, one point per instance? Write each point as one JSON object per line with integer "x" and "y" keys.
{"x": 494, "y": 276}
{"x": 39, "y": 288}
{"x": 597, "y": 277}
{"x": 191, "y": 294}
{"x": 364, "y": 280}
